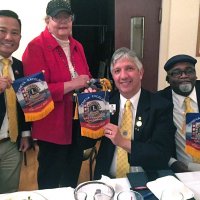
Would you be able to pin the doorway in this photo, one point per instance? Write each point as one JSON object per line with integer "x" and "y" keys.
{"x": 94, "y": 28}
{"x": 127, "y": 11}
{"x": 105, "y": 25}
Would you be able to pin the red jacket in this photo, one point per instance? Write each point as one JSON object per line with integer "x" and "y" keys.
{"x": 44, "y": 53}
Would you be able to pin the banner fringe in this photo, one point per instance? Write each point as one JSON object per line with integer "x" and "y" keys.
{"x": 92, "y": 133}
{"x": 39, "y": 115}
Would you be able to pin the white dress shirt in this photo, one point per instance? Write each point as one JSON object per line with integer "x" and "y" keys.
{"x": 179, "y": 119}
{"x": 134, "y": 100}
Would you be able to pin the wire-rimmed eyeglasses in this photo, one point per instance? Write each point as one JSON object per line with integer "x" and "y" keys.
{"x": 63, "y": 18}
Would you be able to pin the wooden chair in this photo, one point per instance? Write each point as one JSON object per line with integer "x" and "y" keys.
{"x": 90, "y": 154}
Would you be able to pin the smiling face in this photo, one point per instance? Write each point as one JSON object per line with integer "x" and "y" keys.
{"x": 60, "y": 25}
{"x": 127, "y": 76}
{"x": 10, "y": 35}
{"x": 182, "y": 78}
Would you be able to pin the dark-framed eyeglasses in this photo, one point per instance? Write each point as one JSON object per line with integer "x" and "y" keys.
{"x": 63, "y": 18}
{"x": 178, "y": 73}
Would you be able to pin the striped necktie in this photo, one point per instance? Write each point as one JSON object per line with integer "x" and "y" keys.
{"x": 126, "y": 130}
{"x": 11, "y": 106}
{"x": 188, "y": 107}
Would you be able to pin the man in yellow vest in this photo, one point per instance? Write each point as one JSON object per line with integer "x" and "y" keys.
{"x": 184, "y": 93}
{"x": 14, "y": 132}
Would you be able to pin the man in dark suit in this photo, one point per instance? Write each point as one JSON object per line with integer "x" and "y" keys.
{"x": 152, "y": 138}
{"x": 181, "y": 75}
{"x": 10, "y": 156}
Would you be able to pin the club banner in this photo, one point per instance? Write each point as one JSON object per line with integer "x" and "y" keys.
{"x": 193, "y": 136}
{"x": 93, "y": 109}
{"x": 33, "y": 96}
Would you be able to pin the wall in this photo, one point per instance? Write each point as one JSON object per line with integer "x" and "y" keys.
{"x": 32, "y": 14}
{"x": 178, "y": 33}
{"x": 178, "y": 29}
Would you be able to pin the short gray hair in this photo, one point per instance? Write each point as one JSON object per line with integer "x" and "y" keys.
{"x": 124, "y": 52}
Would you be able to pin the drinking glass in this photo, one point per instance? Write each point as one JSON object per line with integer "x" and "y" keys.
{"x": 94, "y": 190}
{"x": 129, "y": 195}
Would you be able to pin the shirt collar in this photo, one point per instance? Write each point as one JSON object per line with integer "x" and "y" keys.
{"x": 10, "y": 58}
{"x": 134, "y": 100}
{"x": 63, "y": 43}
{"x": 1, "y": 65}
{"x": 180, "y": 99}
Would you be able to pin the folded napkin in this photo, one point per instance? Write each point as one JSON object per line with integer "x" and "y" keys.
{"x": 167, "y": 182}
{"x": 118, "y": 184}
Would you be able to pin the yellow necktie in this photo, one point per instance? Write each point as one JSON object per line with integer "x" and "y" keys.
{"x": 188, "y": 109}
{"x": 126, "y": 130}
{"x": 11, "y": 106}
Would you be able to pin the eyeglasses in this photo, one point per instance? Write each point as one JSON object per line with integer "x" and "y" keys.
{"x": 63, "y": 18}
{"x": 179, "y": 73}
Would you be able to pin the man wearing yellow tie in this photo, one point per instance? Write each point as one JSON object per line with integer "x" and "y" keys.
{"x": 184, "y": 92}
{"x": 14, "y": 132}
{"x": 140, "y": 135}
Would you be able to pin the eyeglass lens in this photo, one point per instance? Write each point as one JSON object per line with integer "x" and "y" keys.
{"x": 178, "y": 73}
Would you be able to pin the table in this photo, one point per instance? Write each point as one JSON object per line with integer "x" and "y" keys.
{"x": 190, "y": 179}
{"x": 67, "y": 193}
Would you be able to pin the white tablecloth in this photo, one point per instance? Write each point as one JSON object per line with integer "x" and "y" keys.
{"x": 67, "y": 193}
{"x": 190, "y": 179}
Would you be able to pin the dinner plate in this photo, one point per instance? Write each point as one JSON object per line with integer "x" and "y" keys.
{"x": 23, "y": 196}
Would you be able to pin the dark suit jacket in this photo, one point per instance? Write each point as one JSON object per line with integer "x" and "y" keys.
{"x": 22, "y": 125}
{"x": 153, "y": 141}
{"x": 167, "y": 93}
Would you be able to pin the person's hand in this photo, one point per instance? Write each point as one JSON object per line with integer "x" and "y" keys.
{"x": 113, "y": 133}
{"x": 5, "y": 82}
{"x": 24, "y": 144}
{"x": 178, "y": 167}
{"x": 89, "y": 90}
{"x": 80, "y": 82}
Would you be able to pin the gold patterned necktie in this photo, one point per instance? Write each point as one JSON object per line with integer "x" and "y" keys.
{"x": 188, "y": 109}
{"x": 126, "y": 130}
{"x": 11, "y": 106}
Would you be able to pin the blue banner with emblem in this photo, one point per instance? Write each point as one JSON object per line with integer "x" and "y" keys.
{"x": 193, "y": 136}
{"x": 33, "y": 96}
{"x": 94, "y": 113}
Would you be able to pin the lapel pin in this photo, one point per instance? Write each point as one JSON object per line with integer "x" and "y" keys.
{"x": 138, "y": 123}
{"x": 112, "y": 108}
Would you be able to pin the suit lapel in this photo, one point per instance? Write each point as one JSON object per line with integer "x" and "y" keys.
{"x": 142, "y": 113}
{"x": 198, "y": 93}
{"x": 17, "y": 69}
